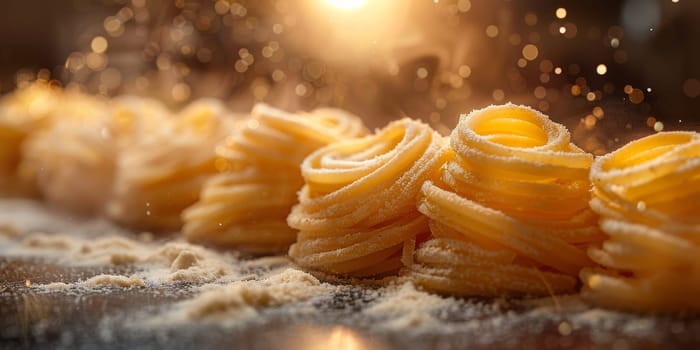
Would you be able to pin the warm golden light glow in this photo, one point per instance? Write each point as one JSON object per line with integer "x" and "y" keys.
{"x": 345, "y": 339}
{"x": 338, "y": 337}
{"x": 348, "y": 31}
{"x": 601, "y": 69}
{"x": 347, "y": 4}
{"x": 560, "y": 13}
{"x": 530, "y": 52}
{"x": 99, "y": 44}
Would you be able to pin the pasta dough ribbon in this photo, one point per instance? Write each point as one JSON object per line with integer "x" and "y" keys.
{"x": 247, "y": 204}
{"x": 163, "y": 172}
{"x": 72, "y": 160}
{"x": 22, "y": 113}
{"x": 648, "y": 194}
{"x": 510, "y": 210}
{"x": 356, "y": 213}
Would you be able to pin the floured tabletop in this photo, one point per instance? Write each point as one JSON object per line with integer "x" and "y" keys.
{"x": 79, "y": 284}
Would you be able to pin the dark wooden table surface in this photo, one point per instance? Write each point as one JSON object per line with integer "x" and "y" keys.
{"x": 100, "y": 319}
{"x": 108, "y": 318}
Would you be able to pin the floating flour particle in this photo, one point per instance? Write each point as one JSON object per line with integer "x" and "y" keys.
{"x": 113, "y": 281}
{"x": 404, "y": 307}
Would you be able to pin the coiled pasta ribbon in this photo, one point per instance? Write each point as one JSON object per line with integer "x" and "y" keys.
{"x": 22, "y": 113}
{"x": 648, "y": 196}
{"x": 71, "y": 141}
{"x": 162, "y": 174}
{"x": 247, "y": 204}
{"x": 275, "y": 139}
{"x": 510, "y": 209}
{"x": 72, "y": 160}
{"x": 245, "y": 209}
{"x": 356, "y": 213}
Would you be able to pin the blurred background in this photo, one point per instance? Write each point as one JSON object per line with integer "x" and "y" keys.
{"x": 610, "y": 70}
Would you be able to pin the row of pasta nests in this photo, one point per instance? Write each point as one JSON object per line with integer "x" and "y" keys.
{"x": 245, "y": 206}
{"x": 498, "y": 208}
{"x": 162, "y": 173}
{"x": 503, "y": 201}
{"x": 129, "y": 158}
{"x": 506, "y": 210}
{"x": 21, "y": 113}
{"x": 141, "y": 165}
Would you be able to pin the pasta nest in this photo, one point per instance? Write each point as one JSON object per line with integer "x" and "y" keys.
{"x": 509, "y": 215}
{"x": 246, "y": 205}
{"x": 162, "y": 173}
{"x": 356, "y": 213}
{"x": 72, "y": 160}
{"x": 648, "y": 196}
{"x": 22, "y": 113}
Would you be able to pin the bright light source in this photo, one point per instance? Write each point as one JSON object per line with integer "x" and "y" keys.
{"x": 601, "y": 69}
{"x": 560, "y": 13}
{"x": 347, "y": 4}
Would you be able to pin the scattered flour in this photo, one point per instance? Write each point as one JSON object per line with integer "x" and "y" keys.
{"x": 96, "y": 282}
{"x": 33, "y": 216}
{"x": 54, "y": 286}
{"x": 231, "y": 303}
{"x": 158, "y": 262}
{"x": 229, "y": 290}
{"x": 40, "y": 241}
{"x": 113, "y": 281}
{"x": 184, "y": 262}
{"x": 547, "y": 306}
{"x": 403, "y": 307}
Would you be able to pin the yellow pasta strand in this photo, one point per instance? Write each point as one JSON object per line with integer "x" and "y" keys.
{"x": 163, "y": 172}
{"x": 510, "y": 210}
{"x": 648, "y": 194}
{"x": 356, "y": 214}
{"x": 247, "y": 204}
